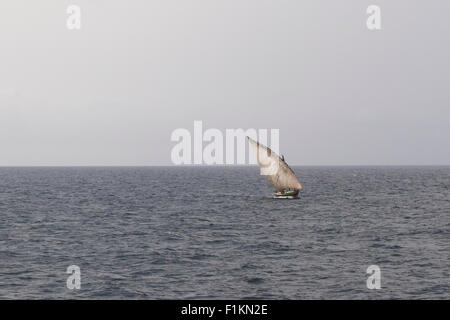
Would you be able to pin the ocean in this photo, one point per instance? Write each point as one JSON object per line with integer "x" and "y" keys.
{"x": 217, "y": 233}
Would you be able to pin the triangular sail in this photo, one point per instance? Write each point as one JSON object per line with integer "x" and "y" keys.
{"x": 276, "y": 170}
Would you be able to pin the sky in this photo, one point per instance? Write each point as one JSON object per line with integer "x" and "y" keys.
{"x": 112, "y": 92}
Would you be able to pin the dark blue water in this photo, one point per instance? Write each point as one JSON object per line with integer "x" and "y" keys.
{"x": 205, "y": 232}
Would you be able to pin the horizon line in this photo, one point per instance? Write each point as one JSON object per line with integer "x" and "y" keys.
{"x": 219, "y": 165}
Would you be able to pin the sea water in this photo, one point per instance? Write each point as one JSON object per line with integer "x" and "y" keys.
{"x": 217, "y": 233}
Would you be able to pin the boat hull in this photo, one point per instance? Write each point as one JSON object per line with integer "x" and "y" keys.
{"x": 286, "y": 197}
{"x": 286, "y": 194}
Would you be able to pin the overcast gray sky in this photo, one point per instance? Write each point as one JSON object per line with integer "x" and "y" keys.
{"x": 112, "y": 92}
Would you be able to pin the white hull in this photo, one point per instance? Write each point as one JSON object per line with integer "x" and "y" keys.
{"x": 285, "y": 197}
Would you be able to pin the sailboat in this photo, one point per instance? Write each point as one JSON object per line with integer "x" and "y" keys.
{"x": 277, "y": 171}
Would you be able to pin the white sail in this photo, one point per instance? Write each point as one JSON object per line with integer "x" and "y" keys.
{"x": 276, "y": 170}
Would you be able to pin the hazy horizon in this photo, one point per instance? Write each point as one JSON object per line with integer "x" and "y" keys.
{"x": 112, "y": 93}
{"x": 225, "y": 165}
